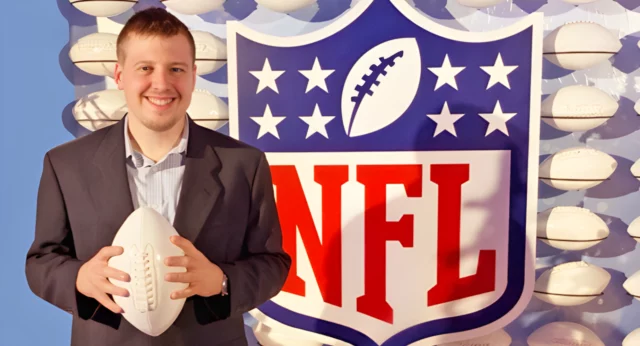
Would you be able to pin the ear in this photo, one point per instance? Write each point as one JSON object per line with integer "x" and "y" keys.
{"x": 117, "y": 76}
{"x": 195, "y": 75}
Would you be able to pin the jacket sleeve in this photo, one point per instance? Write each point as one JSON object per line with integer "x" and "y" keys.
{"x": 262, "y": 273}
{"x": 51, "y": 266}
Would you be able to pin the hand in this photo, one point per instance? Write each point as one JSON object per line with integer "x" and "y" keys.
{"x": 92, "y": 278}
{"x": 204, "y": 278}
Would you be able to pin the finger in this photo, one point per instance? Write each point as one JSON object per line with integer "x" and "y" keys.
{"x": 185, "y": 293}
{"x": 178, "y": 261}
{"x": 179, "y": 277}
{"x": 109, "y": 251}
{"x": 108, "y": 287}
{"x": 114, "y": 273}
{"x": 185, "y": 245}
{"x": 103, "y": 299}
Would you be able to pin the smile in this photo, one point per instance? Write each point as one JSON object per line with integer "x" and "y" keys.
{"x": 160, "y": 101}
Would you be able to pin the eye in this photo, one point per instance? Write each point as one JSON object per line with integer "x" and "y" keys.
{"x": 145, "y": 68}
{"x": 177, "y": 69}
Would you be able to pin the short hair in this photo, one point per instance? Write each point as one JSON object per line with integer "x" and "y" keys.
{"x": 153, "y": 21}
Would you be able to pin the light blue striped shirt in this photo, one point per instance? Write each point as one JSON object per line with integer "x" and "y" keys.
{"x": 156, "y": 184}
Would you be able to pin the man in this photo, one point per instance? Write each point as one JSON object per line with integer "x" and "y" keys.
{"x": 216, "y": 191}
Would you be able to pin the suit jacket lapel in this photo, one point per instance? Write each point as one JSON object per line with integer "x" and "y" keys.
{"x": 109, "y": 187}
{"x": 200, "y": 186}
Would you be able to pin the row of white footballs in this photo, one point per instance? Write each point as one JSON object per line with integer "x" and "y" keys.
{"x": 109, "y": 8}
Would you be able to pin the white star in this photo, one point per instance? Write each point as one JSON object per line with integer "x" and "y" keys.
{"x": 445, "y": 120}
{"x": 446, "y": 74}
{"x": 497, "y": 120}
{"x": 499, "y": 72}
{"x": 267, "y": 77}
{"x": 268, "y": 123}
{"x": 316, "y": 76}
{"x": 317, "y": 123}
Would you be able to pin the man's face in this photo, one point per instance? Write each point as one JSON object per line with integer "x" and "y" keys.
{"x": 158, "y": 77}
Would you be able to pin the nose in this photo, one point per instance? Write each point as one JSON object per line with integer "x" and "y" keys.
{"x": 160, "y": 80}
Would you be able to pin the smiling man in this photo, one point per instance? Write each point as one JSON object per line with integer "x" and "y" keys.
{"x": 216, "y": 191}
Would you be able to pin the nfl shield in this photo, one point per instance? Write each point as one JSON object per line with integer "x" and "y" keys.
{"x": 404, "y": 158}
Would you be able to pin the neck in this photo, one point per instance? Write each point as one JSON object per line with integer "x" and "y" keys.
{"x": 153, "y": 144}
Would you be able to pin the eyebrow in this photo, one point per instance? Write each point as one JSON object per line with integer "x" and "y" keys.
{"x": 148, "y": 62}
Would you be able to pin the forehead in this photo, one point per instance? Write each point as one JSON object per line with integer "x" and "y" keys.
{"x": 156, "y": 48}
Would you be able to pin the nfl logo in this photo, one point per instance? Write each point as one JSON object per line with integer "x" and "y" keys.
{"x": 404, "y": 157}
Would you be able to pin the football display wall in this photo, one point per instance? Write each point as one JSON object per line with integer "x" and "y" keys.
{"x": 533, "y": 95}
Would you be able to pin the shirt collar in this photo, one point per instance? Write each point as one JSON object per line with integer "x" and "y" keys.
{"x": 181, "y": 148}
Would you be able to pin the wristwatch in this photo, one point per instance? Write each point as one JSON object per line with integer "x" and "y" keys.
{"x": 225, "y": 286}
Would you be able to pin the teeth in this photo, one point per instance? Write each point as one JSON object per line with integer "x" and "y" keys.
{"x": 160, "y": 102}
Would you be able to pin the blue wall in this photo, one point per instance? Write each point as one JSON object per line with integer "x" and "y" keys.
{"x": 39, "y": 87}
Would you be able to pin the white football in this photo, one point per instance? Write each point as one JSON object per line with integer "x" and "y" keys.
{"x": 145, "y": 238}
{"x": 578, "y": 108}
{"x": 480, "y": 3}
{"x": 191, "y": 7}
{"x": 635, "y": 169}
{"x": 579, "y": 2}
{"x": 207, "y": 110}
{"x": 381, "y": 86}
{"x": 564, "y": 333}
{"x": 103, "y": 8}
{"x": 634, "y": 229}
{"x": 96, "y": 54}
{"x": 571, "y": 283}
{"x": 211, "y": 52}
{"x": 571, "y": 228}
{"x": 636, "y": 107}
{"x": 577, "y": 46}
{"x": 632, "y": 285}
{"x": 285, "y": 6}
{"x": 577, "y": 168}
{"x": 100, "y": 109}
{"x": 498, "y": 338}
{"x": 632, "y": 339}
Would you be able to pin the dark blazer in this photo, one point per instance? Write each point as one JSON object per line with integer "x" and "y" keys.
{"x": 226, "y": 209}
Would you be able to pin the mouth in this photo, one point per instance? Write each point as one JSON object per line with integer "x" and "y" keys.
{"x": 160, "y": 102}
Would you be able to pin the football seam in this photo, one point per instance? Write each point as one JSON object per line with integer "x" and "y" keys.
{"x": 370, "y": 80}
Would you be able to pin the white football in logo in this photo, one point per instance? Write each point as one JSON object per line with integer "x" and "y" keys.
{"x": 95, "y": 54}
{"x": 571, "y": 284}
{"x": 632, "y": 339}
{"x": 571, "y": 228}
{"x": 100, "y": 109}
{"x": 576, "y": 46}
{"x": 211, "y": 52}
{"x": 191, "y": 7}
{"x": 381, "y": 86}
{"x": 145, "y": 238}
{"x": 103, "y": 8}
{"x": 285, "y": 6}
{"x": 563, "y": 333}
{"x": 497, "y": 338}
{"x": 632, "y": 285}
{"x": 578, "y": 108}
{"x": 634, "y": 229}
{"x": 577, "y": 168}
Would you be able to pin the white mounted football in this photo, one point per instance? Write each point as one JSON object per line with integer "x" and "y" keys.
{"x": 211, "y": 52}
{"x": 579, "y": 2}
{"x": 193, "y": 7}
{"x": 498, "y": 338}
{"x": 632, "y": 339}
{"x": 577, "y": 46}
{"x": 636, "y": 107}
{"x": 564, "y": 334}
{"x": 381, "y": 86}
{"x": 103, "y": 8}
{"x": 100, "y": 109}
{"x": 145, "y": 238}
{"x": 571, "y": 283}
{"x": 635, "y": 169}
{"x": 577, "y": 168}
{"x": 578, "y": 108}
{"x": 571, "y": 228}
{"x": 285, "y": 6}
{"x": 634, "y": 229}
{"x": 632, "y": 285}
{"x": 96, "y": 54}
{"x": 208, "y": 110}
{"x": 480, "y": 3}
